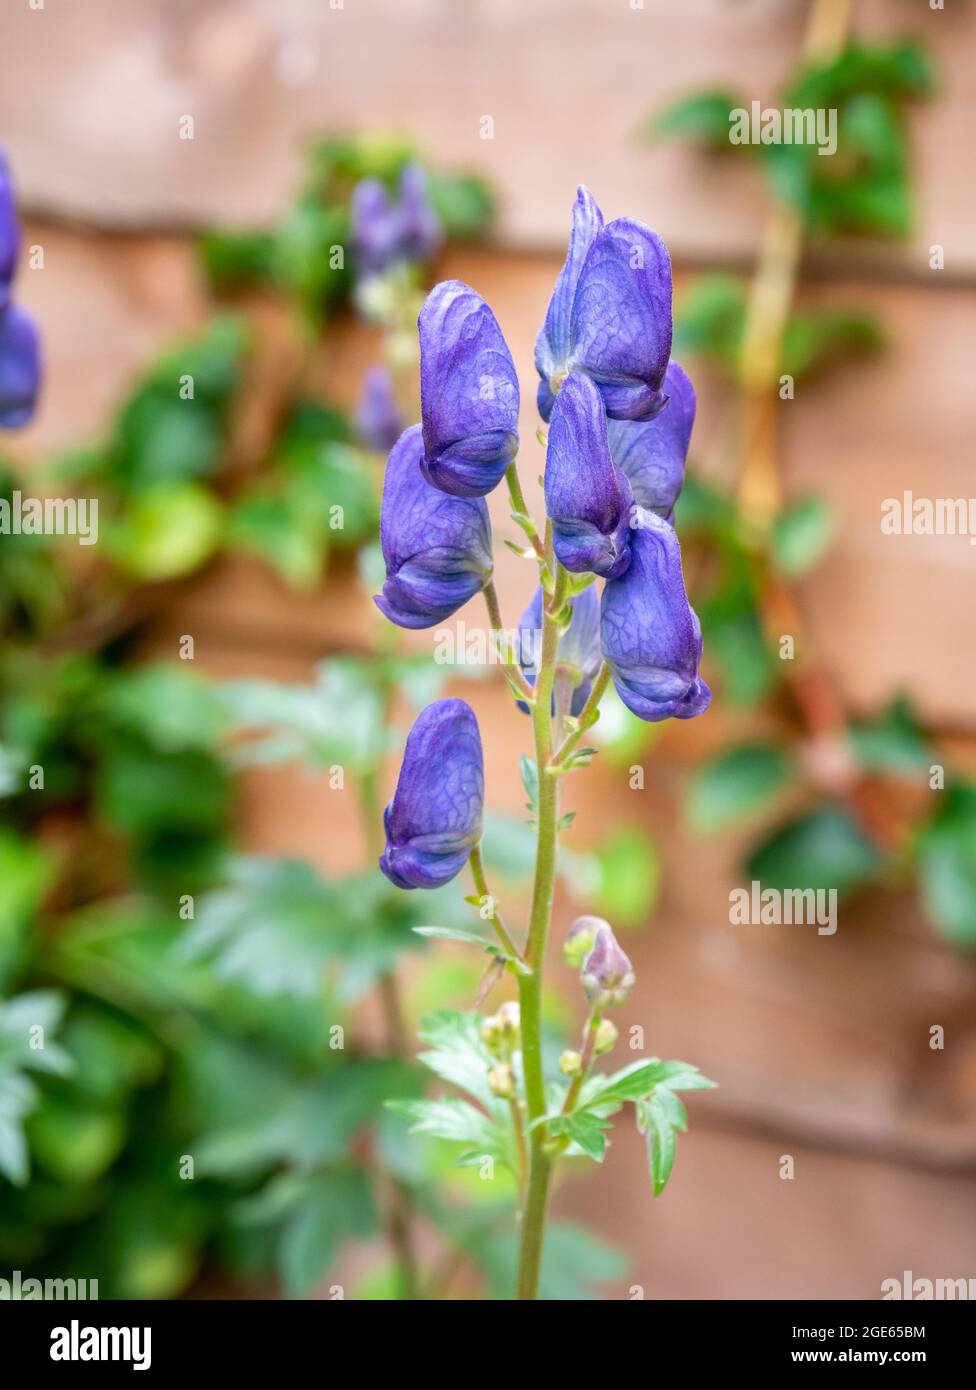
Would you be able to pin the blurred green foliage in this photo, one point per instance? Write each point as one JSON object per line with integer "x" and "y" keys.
{"x": 798, "y": 834}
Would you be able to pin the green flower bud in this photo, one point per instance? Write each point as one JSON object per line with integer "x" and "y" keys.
{"x": 491, "y": 1034}
{"x": 508, "y": 1019}
{"x": 579, "y": 940}
{"x": 570, "y": 1063}
{"x": 501, "y": 1082}
{"x": 606, "y": 1037}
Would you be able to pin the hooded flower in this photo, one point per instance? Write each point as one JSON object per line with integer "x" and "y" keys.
{"x": 650, "y": 635}
{"x": 469, "y": 392}
{"x": 607, "y": 973}
{"x": 378, "y": 417}
{"x": 437, "y": 548}
{"x": 652, "y": 453}
{"x": 434, "y": 820}
{"x": 384, "y": 230}
{"x": 610, "y": 315}
{"x": 20, "y": 367}
{"x": 587, "y": 497}
{"x": 578, "y": 655}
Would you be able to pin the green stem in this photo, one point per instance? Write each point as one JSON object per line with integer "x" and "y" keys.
{"x": 477, "y": 866}
{"x": 512, "y": 669}
{"x": 530, "y": 986}
{"x": 586, "y": 716}
{"x": 519, "y": 510}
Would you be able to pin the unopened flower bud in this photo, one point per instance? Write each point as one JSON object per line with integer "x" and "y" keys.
{"x": 508, "y": 1018}
{"x": 579, "y": 940}
{"x": 606, "y": 1037}
{"x": 607, "y": 973}
{"x": 501, "y": 1082}
{"x": 491, "y": 1033}
{"x": 570, "y": 1063}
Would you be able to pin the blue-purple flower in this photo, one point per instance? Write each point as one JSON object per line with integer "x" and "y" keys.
{"x": 469, "y": 392}
{"x": 20, "y": 367}
{"x": 437, "y": 548}
{"x": 379, "y": 419}
{"x": 587, "y": 497}
{"x": 434, "y": 820}
{"x": 9, "y": 232}
{"x": 20, "y": 358}
{"x": 652, "y": 453}
{"x": 610, "y": 315}
{"x": 385, "y": 231}
{"x": 578, "y": 654}
{"x": 649, "y": 633}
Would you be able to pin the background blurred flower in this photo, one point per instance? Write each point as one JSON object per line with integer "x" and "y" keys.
{"x": 385, "y": 231}
{"x": 434, "y": 820}
{"x": 437, "y": 548}
{"x": 650, "y": 635}
{"x": 379, "y": 419}
{"x": 469, "y": 392}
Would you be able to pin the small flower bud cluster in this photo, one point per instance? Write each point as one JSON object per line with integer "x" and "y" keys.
{"x": 500, "y": 1035}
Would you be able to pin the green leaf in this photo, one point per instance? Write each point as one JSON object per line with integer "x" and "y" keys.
{"x": 449, "y": 1118}
{"x": 822, "y": 849}
{"x": 337, "y": 1205}
{"x": 812, "y": 342}
{"x": 629, "y": 864}
{"x": 168, "y": 531}
{"x": 702, "y": 115}
{"x": 336, "y": 722}
{"x": 171, "y": 707}
{"x": 800, "y": 536}
{"x": 529, "y": 772}
{"x": 463, "y": 203}
{"x": 586, "y": 1130}
{"x": 454, "y": 934}
{"x": 639, "y": 1079}
{"x": 894, "y": 742}
{"x": 457, "y": 1054}
{"x": 655, "y": 1123}
{"x": 947, "y": 866}
{"x": 709, "y": 320}
{"x": 737, "y": 783}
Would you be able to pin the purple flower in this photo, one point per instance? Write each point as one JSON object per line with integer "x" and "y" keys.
{"x": 385, "y": 231}
{"x": 469, "y": 393}
{"x": 20, "y": 367}
{"x": 578, "y": 655}
{"x": 610, "y": 315}
{"x": 607, "y": 973}
{"x": 421, "y": 232}
{"x": 652, "y": 453}
{"x": 374, "y": 227}
{"x": 434, "y": 820}
{"x": 9, "y": 232}
{"x": 650, "y": 635}
{"x": 378, "y": 416}
{"x": 587, "y": 497}
{"x": 437, "y": 548}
